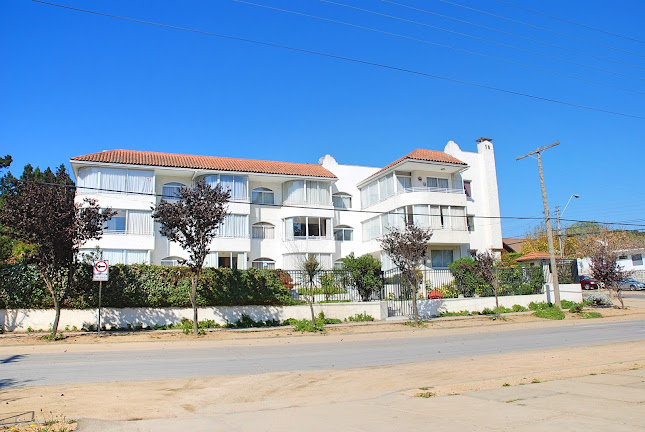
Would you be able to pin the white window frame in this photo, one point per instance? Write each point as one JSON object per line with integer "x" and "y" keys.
{"x": 263, "y": 231}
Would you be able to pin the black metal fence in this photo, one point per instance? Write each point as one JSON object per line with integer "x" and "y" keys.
{"x": 327, "y": 286}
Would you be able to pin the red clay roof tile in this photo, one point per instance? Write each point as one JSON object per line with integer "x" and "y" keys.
{"x": 423, "y": 155}
{"x": 215, "y": 163}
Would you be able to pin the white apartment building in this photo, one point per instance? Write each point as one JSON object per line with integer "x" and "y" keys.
{"x": 281, "y": 212}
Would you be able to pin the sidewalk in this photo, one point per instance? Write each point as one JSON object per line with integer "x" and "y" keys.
{"x": 608, "y": 402}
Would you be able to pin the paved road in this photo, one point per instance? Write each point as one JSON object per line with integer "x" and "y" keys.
{"x": 23, "y": 369}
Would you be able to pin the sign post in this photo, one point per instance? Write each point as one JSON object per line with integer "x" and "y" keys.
{"x": 101, "y": 272}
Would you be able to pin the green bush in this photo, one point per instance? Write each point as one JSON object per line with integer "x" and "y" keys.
{"x": 549, "y": 312}
{"x": 361, "y": 317}
{"x": 591, "y": 315}
{"x": 304, "y": 325}
{"x": 147, "y": 286}
{"x": 460, "y": 313}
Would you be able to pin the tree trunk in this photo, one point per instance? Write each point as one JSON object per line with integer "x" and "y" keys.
{"x": 415, "y": 309}
{"x": 193, "y": 301}
{"x": 50, "y": 286}
{"x": 311, "y": 304}
{"x": 495, "y": 283}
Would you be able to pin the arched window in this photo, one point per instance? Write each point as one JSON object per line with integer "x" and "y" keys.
{"x": 263, "y": 264}
{"x": 171, "y": 261}
{"x": 170, "y": 191}
{"x": 343, "y": 233}
{"x": 342, "y": 200}
{"x": 263, "y": 230}
{"x": 262, "y": 195}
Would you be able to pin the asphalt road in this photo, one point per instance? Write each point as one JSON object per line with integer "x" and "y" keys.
{"x": 23, "y": 369}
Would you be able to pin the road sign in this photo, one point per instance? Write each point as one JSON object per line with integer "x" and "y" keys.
{"x": 101, "y": 271}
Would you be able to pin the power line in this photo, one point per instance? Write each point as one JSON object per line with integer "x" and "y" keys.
{"x": 541, "y": 28}
{"x": 310, "y": 207}
{"x": 472, "y": 37}
{"x": 349, "y": 59}
{"x": 511, "y": 34}
{"x": 571, "y": 22}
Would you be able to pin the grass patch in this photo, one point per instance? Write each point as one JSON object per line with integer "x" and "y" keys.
{"x": 425, "y": 395}
{"x": 506, "y": 385}
{"x": 591, "y": 315}
{"x": 305, "y": 325}
{"x": 414, "y": 323}
{"x": 460, "y": 313}
{"x": 535, "y": 381}
{"x": 552, "y": 313}
{"x": 53, "y": 337}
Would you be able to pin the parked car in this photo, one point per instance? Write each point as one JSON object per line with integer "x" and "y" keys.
{"x": 588, "y": 283}
{"x": 631, "y": 284}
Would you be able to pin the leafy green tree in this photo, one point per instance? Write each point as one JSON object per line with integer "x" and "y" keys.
{"x": 43, "y": 213}
{"x": 407, "y": 247}
{"x": 364, "y": 273}
{"x": 193, "y": 222}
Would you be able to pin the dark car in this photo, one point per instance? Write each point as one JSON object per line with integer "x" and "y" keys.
{"x": 588, "y": 283}
{"x": 631, "y": 284}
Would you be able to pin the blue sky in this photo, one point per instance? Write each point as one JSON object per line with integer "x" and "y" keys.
{"x": 74, "y": 83}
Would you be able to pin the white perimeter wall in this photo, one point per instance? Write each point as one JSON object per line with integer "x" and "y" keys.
{"x": 40, "y": 319}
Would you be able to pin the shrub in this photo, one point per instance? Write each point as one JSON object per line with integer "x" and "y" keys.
{"x": 321, "y": 318}
{"x": 549, "y": 312}
{"x": 361, "y": 317}
{"x": 576, "y": 308}
{"x": 467, "y": 280}
{"x": 148, "y": 286}
{"x": 448, "y": 290}
{"x": 591, "y": 315}
{"x": 305, "y": 325}
{"x": 598, "y": 300}
{"x": 460, "y": 313}
{"x": 519, "y": 308}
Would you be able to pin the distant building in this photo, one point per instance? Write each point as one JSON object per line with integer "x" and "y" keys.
{"x": 282, "y": 212}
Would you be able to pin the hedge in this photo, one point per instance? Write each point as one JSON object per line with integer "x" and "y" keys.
{"x": 147, "y": 286}
{"x": 512, "y": 281}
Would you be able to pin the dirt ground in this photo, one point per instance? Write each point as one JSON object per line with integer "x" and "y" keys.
{"x": 214, "y": 395}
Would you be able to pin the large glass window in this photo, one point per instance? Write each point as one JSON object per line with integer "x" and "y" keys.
{"x": 130, "y": 222}
{"x": 263, "y": 230}
{"x": 237, "y": 186}
{"x": 343, "y": 233}
{"x": 234, "y": 226}
{"x": 307, "y": 227}
{"x": 342, "y": 200}
{"x": 306, "y": 192}
{"x": 125, "y": 256}
{"x": 441, "y": 258}
{"x": 262, "y": 195}
{"x": 170, "y": 191}
{"x": 437, "y": 183}
{"x": 105, "y": 180}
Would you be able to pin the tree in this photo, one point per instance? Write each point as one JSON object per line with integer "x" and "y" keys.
{"x": 44, "y": 214}
{"x": 536, "y": 240}
{"x": 603, "y": 251}
{"x": 311, "y": 267}
{"x": 364, "y": 273}
{"x": 407, "y": 247}
{"x": 193, "y": 222}
{"x": 486, "y": 269}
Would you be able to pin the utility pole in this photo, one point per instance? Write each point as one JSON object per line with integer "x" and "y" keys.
{"x": 547, "y": 214}
{"x": 557, "y": 218}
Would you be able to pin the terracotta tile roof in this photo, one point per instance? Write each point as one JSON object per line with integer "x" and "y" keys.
{"x": 532, "y": 256}
{"x": 423, "y": 155}
{"x": 215, "y": 163}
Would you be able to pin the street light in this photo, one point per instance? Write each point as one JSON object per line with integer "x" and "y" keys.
{"x": 559, "y": 215}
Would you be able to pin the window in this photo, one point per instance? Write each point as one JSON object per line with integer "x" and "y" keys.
{"x": 343, "y": 233}
{"x": 263, "y": 230}
{"x": 307, "y": 227}
{"x": 342, "y": 200}
{"x": 102, "y": 180}
{"x": 404, "y": 182}
{"x": 306, "y": 192}
{"x": 468, "y": 189}
{"x": 262, "y": 195}
{"x": 225, "y": 259}
{"x": 172, "y": 261}
{"x": 622, "y": 257}
{"x": 441, "y": 258}
{"x": 234, "y": 226}
{"x": 338, "y": 264}
{"x": 130, "y": 222}
{"x": 437, "y": 183}
{"x": 295, "y": 261}
{"x": 125, "y": 256}
{"x": 170, "y": 191}
{"x": 263, "y": 264}
{"x": 637, "y": 260}
{"x": 235, "y": 185}
{"x": 470, "y": 223}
